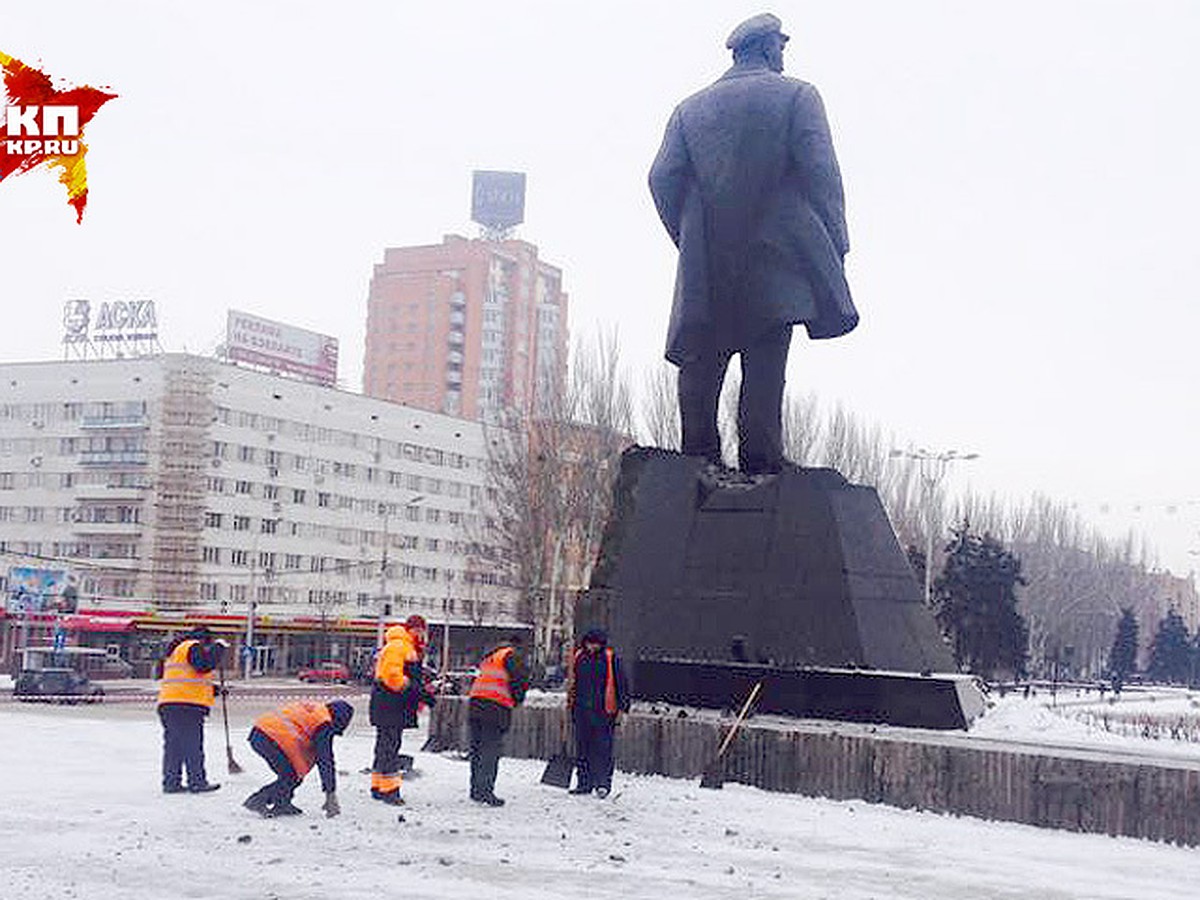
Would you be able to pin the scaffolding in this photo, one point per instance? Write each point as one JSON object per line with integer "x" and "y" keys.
{"x": 180, "y": 485}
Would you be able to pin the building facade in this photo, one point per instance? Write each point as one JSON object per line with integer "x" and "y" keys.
{"x": 176, "y": 489}
{"x": 470, "y": 328}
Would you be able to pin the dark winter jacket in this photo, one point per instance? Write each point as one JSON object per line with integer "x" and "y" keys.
{"x": 395, "y": 698}
{"x": 398, "y": 709}
{"x": 494, "y": 714}
{"x": 589, "y": 682}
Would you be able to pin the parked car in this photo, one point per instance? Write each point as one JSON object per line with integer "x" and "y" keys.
{"x": 328, "y": 671}
{"x": 57, "y": 685}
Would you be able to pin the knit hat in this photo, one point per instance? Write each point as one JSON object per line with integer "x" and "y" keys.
{"x": 416, "y": 621}
{"x": 342, "y": 713}
{"x": 599, "y": 635}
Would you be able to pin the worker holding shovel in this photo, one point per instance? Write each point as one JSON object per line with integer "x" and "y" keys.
{"x": 597, "y": 696}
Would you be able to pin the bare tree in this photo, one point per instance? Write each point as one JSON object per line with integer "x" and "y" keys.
{"x": 660, "y": 408}
{"x": 550, "y": 481}
{"x": 802, "y": 428}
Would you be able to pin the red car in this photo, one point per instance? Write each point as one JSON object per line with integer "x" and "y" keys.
{"x": 330, "y": 670}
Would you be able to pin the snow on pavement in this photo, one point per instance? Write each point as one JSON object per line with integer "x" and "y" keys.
{"x": 82, "y": 816}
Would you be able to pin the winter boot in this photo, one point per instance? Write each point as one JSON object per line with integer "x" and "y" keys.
{"x": 391, "y": 798}
{"x": 283, "y": 808}
{"x": 257, "y": 802}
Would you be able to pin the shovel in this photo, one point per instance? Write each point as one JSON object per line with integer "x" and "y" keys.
{"x": 234, "y": 768}
{"x": 714, "y": 774}
{"x": 561, "y": 765}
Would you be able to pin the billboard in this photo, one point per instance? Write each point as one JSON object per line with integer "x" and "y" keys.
{"x": 282, "y": 348}
{"x": 33, "y": 589}
{"x": 498, "y": 199}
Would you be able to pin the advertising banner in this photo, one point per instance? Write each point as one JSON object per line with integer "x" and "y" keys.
{"x": 32, "y": 589}
{"x": 281, "y": 348}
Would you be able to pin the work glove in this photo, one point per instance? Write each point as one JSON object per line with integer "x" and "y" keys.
{"x": 331, "y": 806}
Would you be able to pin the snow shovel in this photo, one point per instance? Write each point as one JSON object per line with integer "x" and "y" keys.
{"x": 561, "y": 765}
{"x": 714, "y": 774}
{"x": 234, "y": 768}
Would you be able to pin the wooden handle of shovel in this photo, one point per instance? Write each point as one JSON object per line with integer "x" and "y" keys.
{"x": 741, "y": 715}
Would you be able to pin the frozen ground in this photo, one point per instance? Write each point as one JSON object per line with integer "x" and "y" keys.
{"x": 81, "y": 815}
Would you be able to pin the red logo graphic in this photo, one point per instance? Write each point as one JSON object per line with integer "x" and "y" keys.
{"x": 44, "y": 127}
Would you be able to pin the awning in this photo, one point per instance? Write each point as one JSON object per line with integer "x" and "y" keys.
{"x": 91, "y": 622}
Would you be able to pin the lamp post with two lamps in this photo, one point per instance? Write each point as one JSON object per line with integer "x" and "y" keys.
{"x": 385, "y": 510}
{"x": 932, "y": 468}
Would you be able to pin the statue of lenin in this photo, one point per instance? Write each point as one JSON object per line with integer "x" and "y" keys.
{"x": 747, "y": 184}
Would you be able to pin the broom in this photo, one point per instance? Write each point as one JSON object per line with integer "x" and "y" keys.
{"x": 234, "y": 768}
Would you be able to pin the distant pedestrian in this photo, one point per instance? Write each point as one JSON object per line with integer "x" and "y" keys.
{"x": 292, "y": 740}
{"x": 597, "y": 696}
{"x": 185, "y": 697}
{"x": 498, "y": 688}
{"x": 397, "y": 692}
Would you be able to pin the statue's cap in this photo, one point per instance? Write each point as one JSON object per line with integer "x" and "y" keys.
{"x": 755, "y": 27}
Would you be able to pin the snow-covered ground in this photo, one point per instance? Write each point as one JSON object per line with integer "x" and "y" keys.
{"x": 81, "y": 815}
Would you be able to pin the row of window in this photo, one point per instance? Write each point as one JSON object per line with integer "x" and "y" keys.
{"x": 270, "y": 560}
{"x": 418, "y": 484}
{"x": 44, "y": 413}
{"x": 319, "y": 434}
{"x": 364, "y": 601}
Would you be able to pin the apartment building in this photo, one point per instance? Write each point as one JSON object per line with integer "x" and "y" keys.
{"x": 178, "y": 489}
{"x": 470, "y": 328}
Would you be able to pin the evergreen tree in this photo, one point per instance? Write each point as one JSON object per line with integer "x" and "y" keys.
{"x": 976, "y": 605}
{"x": 1122, "y": 658}
{"x": 1171, "y": 650}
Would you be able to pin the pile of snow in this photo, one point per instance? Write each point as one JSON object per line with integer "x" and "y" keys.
{"x": 83, "y": 816}
{"x": 1079, "y": 721}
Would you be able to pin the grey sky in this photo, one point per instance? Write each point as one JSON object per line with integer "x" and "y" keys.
{"x": 1021, "y": 182}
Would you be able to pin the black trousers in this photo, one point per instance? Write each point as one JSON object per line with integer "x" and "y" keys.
{"x": 183, "y": 744}
{"x": 387, "y": 750}
{"x": 593, "y": 750}
{"x": 760, "y": 428}
{"x": 486, "y": 739}
{"x": 286, "y": 781}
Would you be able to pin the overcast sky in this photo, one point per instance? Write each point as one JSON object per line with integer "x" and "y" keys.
{"x": 1022, "y": 184}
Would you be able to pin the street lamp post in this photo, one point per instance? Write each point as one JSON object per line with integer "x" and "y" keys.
{"x": 384, "y": 511}
{"x": 249, "y": 662}
{"x": 932, "y": 469}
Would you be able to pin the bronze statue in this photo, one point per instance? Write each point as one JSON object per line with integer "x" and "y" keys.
{"x": 747, "y": 184}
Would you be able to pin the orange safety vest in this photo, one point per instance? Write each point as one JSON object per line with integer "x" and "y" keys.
{"x": 293, "y": 729}
{"x": 492, "y": 681}
{"x": 183, "y": 684}
{"x": 610, "y": 681}
{"x": 399, "y": 650}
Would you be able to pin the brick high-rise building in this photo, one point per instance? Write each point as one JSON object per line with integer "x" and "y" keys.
{"x": 466, "y": 327}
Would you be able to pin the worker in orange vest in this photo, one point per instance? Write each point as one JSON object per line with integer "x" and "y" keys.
{"x": 597, "y": 695}
{"x": 185, "y": 697}
{"x": 396, "y": 695}
{"x": 498, "y": 688}
{"x": 292, "y": 740}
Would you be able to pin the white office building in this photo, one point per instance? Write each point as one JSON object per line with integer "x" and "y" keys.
{"x": 179, "y": 488}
